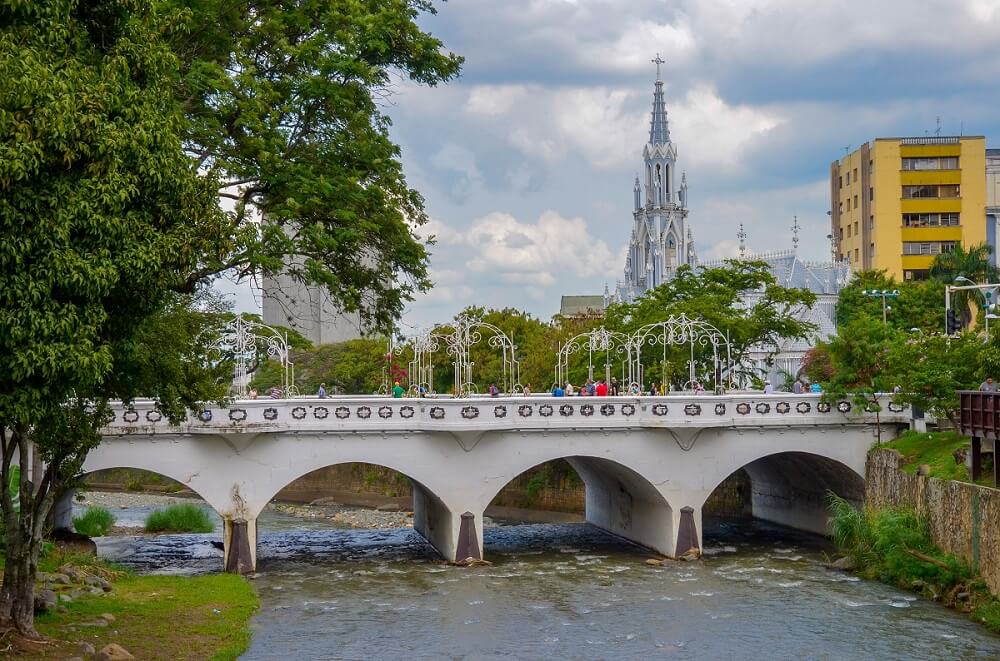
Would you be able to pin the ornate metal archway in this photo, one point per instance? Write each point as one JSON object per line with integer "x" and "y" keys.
{"x": 678, "y": 331}
{"x": 459, "y": 338}
{"x": 597, "y": 341}
{"x": 244, "y": 341}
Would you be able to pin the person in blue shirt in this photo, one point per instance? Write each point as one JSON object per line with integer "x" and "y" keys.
{"x": 815, "y": 388}
{"x": 557, "y": 391}
{"x": 322, "y": 391}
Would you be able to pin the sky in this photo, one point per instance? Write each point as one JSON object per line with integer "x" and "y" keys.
{"x": 527, "y": 161}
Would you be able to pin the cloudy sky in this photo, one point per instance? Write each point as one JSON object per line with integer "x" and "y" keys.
{"x": 527, "y": 161}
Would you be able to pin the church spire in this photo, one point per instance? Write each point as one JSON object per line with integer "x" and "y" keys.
{"x": 659, "y": 129}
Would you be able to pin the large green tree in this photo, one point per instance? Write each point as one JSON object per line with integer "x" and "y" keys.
{"x": 284, "y": 104}
{"x": 931, "y": 368}
{"x": 101, "y": 216}
{"x": 920, "y": 303}
{"x": 960, "y": 265}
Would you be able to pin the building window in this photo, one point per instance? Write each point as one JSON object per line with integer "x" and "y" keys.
{"x": 848, "y": 204}
{"x": 856, "y": 259}
{"x": 855, "y": 201}
{"x": 841, "y": 179}
{"x": 855, "y": 228}
{"x": 871, "y": 223}
{"x": 848, "y": 182}
{"x": 855, "y": 175}
{"x": 916, "y": 274}
{"x": 931, "y": 190}
{"x": 927, "y": 247}
{"x": 848, "y": 230}
{"x": 871, "y": 251}
{"x": 841, "y": 209}
{"x": 871, "y": 193}
{"x": 933, "y": 163}
{"x": 930, "y": 220}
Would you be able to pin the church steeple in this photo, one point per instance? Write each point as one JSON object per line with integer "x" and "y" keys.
{"x": 659, "y": 128}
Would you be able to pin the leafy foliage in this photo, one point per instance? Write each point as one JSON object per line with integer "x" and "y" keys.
{"x": 931, "y": 369}
{"x": 920, "y": 303}
{"x": 974, "y": 263}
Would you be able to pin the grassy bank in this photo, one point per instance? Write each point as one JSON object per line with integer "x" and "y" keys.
{"x": 936, "y": 450}
{"x": 894, "y": 546}
{"x": 153, "y": 617}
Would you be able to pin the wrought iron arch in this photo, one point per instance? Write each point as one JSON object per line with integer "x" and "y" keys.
{"x": 599, "y": 340}
{"x": 243, "y": 340}
{"x": 682, "y": 330}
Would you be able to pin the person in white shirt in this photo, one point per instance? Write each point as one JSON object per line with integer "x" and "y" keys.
{"x": 768, "y": 388}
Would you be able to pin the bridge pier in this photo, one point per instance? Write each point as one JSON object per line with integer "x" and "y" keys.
{"x": 239, "y": 545}
{"x": 444, "y": 529}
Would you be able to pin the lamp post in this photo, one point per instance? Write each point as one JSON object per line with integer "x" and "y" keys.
{"x": 883, "y": 294}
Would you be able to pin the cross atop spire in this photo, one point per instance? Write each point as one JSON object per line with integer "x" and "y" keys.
{"x": 742, "y": 236}
{"x": 795, "y": 233}
{"x": 658, "y": 61}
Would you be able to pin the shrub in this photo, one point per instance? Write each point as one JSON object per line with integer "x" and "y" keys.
{"x": 179, "y": 518}
{"x": 95, "y": 522}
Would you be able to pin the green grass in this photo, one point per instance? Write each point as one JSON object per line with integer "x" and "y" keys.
{"x": 893, "y": 545}
{"x": 179, "y": 518}
{"x": 95, "y": 522}
{"x": 936, "y": 449}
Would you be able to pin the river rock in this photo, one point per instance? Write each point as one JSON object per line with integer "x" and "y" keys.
{"x": 59, "y": 578}
{"x": 105, "y": 585}
{"x": 844, "y": 564}
{"x": 924, "y": 469}
{"x": 92, "y": 581}
{"x": 107, "y": 617}
{"x": 44, "y": 600}
{"x": 65, "y": 598}
{"x": 87, "y": 649}
{"x": 113, "y": 652}
{"x": 71, "y": 572}
{"x": 654, "y": 562}
{"x": 962, "y": 596}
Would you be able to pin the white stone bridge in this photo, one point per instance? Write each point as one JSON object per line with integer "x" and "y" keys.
{"x": 648, "y": 463}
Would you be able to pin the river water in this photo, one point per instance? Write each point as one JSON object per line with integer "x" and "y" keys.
{"x": 566, "y": 591}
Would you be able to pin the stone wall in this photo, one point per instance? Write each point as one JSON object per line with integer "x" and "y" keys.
{"x": 964, "y": 519}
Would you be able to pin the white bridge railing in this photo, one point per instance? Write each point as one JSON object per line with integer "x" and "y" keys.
{"x": 375, "y": 414}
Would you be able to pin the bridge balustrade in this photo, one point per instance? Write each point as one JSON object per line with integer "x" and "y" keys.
{"x": 979, "y": 418}
{"x": 355, "y": 413}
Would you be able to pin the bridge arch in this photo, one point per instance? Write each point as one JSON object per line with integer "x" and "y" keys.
{"x": 790, "y": 487}
{"x": 619, "y": 497}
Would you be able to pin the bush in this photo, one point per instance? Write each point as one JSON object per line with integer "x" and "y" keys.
{"x": 179, "y": 518}
{"x": 95, "y": 522}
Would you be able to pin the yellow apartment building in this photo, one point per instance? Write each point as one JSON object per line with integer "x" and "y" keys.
{"x": 898, "y": 202}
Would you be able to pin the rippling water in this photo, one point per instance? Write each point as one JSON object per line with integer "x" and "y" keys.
{"x": 571, "y": 592}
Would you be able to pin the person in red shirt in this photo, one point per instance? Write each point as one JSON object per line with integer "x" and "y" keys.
{"x": 601, "y": 389}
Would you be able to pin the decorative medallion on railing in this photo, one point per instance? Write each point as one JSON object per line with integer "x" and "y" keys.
{"x": 803, "y": 407}
{"x": 782, "y": 407}
{"x": 132, "y": 416}
{"x": 205, "y": 416}
{"x": 236, "y": 415}
{"x": 659, "y": 409}
{"x": 155, "y": 416}
{"x": 545, "y": 410}
{"x": 364, "y": 412}
{"x": 270, "y": 413}
{"x": 437, "y": 412}
{"x": 607, "y": 409}
{"x": 628, "y": 409}
{"x": 896, "y": 408}
{"x": 843, "y": 407}
{"x": 322, "y": 413}
{"x": 342, "y": 412}
{"x": 470, "y": 412}
{"x": 299, "y": 412}
{"x": 720, "y": 409}
{"x": 500, "y": 411}
{"x": 763, "y": 407}
{"x": 524, "y": 410}
{"x": 406, "y": 412}
{"x": 566, "y": 410}
{"x": 692, "y": 409}
{"x": 823, "y": 407}
{"x": 385, "y": 412}
{"x": 743, "y": 408}
{"x": 587, "y": 410}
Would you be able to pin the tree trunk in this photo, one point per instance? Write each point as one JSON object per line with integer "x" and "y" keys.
{"x": 17, "y": 597}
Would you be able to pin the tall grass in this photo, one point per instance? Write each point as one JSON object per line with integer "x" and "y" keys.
{"x": 95, "y": 522}
{"x": 179, "y": 518}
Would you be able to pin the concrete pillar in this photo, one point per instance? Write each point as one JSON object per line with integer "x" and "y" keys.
{"x": 442, "y": 527}
{"x": 239, "y": 542}
{"x": 61, "y": 514}
{"x": 977, "y": 457}
{"x": 626, "y": 504}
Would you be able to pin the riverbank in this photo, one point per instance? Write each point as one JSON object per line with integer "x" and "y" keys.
{"x": 151, "y": 617}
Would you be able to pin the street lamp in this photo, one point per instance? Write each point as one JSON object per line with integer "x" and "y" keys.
{"x": 883, "y": 294}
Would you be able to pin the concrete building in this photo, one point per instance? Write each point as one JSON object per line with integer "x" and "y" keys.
{"x": 309, "y": 310}
{"x": 898, "y": 202}
{"x": 993, "y": 200}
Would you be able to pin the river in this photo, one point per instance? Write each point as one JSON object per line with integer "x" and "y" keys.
{"x": 566, "y": 591}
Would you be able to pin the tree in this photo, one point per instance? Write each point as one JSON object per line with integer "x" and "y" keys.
{"x": 859, "y": 359}
{"x": 975, "y": 264}
{"x": 102, "y": 215}
{"x": 283, "y": 105}
{"x": 919, "y": 304}
{"x": 742, "y": 299}
{"x": 930, "y": 369}
{"x": 350, "y": 367}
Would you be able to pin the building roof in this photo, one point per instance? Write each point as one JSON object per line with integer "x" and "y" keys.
{"x": 581, "y": 306}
